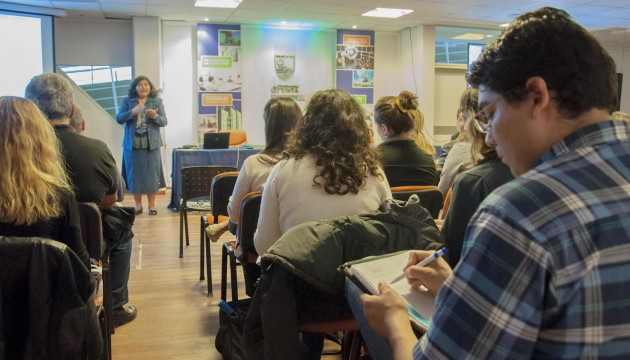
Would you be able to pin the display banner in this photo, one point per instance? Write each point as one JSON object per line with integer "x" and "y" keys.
{"x": 219, "y": 70}
{"x": 355, "y": 64}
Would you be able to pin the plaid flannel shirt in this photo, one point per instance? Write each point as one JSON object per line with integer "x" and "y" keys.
{"x": 545, "y": 270}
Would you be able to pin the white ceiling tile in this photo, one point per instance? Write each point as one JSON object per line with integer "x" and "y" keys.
{"x": 85, "y": 14}
{"x": 123, "y": 8}
{"x": 254, "y": 12}
{"x": 264, "y": 4}
{"x": 587, "y": 10}
{"x": 123, "y": 2}
{"x": 81, "y": 6}
{"x": 614, "y": 3}
{"x": 615, "y": 13}
{"x": 329, "y": 9}
{"x": 32, "y": 3}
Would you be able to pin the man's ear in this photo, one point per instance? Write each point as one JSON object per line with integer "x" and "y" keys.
{"x": 71, "y": 112}
{"x": 539, "y": 94}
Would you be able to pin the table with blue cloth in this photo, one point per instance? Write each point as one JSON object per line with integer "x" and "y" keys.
{"x": 198, "y": 157}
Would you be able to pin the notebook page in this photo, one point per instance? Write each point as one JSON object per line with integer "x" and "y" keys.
{"x": 419, "y": 301}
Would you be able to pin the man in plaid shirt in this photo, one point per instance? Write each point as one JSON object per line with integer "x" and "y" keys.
{"x": 545, "y": 270}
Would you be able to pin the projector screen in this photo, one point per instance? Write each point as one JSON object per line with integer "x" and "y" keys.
{"x": 27, "y": 49}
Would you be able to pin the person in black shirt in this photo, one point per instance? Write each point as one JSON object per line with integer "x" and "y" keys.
{"x": 404, "y": 162}
{"x": 92, "y": 171}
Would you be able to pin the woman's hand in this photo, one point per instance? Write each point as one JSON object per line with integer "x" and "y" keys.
{"x": 432, "y": 276}
{"x": 137, "y": 110}
{"x": 152, "y": 113}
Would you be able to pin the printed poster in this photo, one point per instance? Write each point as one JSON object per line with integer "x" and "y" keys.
{"x": 219, "y": 82}
{"x": 355, "y": 64}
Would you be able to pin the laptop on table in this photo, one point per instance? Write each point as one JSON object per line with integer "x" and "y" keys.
{"x": 216, "y": 140}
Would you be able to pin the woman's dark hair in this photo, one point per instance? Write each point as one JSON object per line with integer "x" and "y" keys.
{"x": 280, "y": 115}
{"x": 397, "y": 113}
{"x": 334, "y": 131}
{"x": 549, "y": 44}
{"x": 133, "y": 93}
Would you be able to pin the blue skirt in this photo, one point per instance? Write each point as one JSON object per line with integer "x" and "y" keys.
{"x": 142, "y": 167}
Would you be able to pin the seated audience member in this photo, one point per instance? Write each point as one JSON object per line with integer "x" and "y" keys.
{"x": 328, "y": 169}
{"x": 280, "y": 115}
{"x": 460, "y": 154}
{"x": 42, "y": 203}
{"x": 543, "y": 272}
{"x": 404, "y": 162}
{"x": 471, "y": 187}
{"x": 37, "y": 201}
{"x": 92, "y": 171}
{"x": 422, "y": 141}
{"x": 439, "y": 162}
{"x": 303, "y": 283}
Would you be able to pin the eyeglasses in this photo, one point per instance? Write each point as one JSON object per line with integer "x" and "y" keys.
{"x": 481, "y": 120}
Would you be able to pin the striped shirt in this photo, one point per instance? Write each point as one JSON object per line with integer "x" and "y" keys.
{"x": 545, "y": 270}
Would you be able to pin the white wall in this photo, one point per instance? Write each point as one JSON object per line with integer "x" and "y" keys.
{"x": 93, "y": 42}
{"x": 449, "y": 85}
{"x": 416, "y": 68}
{"x": 179, "y": 44}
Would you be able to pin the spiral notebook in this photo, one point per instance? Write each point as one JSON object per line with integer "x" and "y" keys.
{"x": 372, "y": 270}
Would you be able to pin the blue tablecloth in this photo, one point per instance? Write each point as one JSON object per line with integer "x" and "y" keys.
{"x": 197, "y": 157}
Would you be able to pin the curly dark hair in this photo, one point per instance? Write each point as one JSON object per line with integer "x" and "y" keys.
{"x": 133, "y": 93}
{"x": 388, "y": 112}
{"x": 548, "y": 43}
{"x": 334, "y": 131}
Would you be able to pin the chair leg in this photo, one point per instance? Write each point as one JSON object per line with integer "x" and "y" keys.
{"x": 107, "y": 294}
{"x": 224, "y": 261}
{"x": 202, "y": 235}
{"x": 181, "y": 233}
{"x": 186, "y": 227}
{"x": 233, "y": 279}
{"x": 208, "y": 265}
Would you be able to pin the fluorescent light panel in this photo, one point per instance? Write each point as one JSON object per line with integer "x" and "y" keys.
{"x": 469, "y": 36}
{"x": 218, "y": 3}
{"x": 387, "y": 13}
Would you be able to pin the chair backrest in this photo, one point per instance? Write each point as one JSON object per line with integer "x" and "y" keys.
{"x": 41, "y": 281}
{"x": 91, "y": 228}
{"x": 401, "y": 175}
{"x": 197, "y": 180}
{"x": 447, "y": 203}
{"x": 250, "y": 209}
{"x": 430, "y": 197}
{"x": 220, "y": 192}
{"x": 237, "y": 137}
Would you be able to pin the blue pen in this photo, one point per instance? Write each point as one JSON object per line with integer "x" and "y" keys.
{"x": 424, "y": 262}
{"x": 226, "y": 307}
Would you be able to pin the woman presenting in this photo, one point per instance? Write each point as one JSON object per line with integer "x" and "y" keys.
{"x": 142, "y": 113}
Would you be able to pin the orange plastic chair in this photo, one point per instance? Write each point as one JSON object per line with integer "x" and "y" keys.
{"x": 447, "y": 203}
{"x": 237, "y": 137}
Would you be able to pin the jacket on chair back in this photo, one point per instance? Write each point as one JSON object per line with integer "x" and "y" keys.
{"x": 46, "y": 308}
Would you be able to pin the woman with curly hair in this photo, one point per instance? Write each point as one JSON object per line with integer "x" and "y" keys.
{"x": 37, "y": 200}
{"x": 328, "y": 169}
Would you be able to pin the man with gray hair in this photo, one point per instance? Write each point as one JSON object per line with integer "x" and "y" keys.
{"x": 92, "y": 170}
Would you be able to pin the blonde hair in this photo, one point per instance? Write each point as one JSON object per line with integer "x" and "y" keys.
{"x": 421, "y": 141}
{"x": 619, "y": 115}
{"x": 32, "y": 175}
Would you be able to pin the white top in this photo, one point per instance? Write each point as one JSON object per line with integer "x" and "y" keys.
{"x": 290, "y": 198}
{"x": 458, "y": 155}
{"x": 252, "y": 177}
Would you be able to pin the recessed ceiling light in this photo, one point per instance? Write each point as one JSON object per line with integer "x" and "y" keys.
{"x": 206, "y": 19}
{"x": 283, "y": 22}
{"x": 218, "y": 3}
{"x": 387, "y": 13}
{"x": 505, "y": 25}
{"x": 354, "y": 26}
{"x": 469, "y": 36}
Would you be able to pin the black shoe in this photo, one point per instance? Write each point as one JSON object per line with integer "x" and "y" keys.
{"x": 124, "y": 315}
{"x": 138, "y": 211}
{"x": 152, "y": 212}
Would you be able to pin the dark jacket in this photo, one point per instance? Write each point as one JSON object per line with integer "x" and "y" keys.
{"x": 314, "y": 251}
{"x": 46, "y": 306}
{"x": 469, "y": 190}
{"x": 302, "y": 280}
